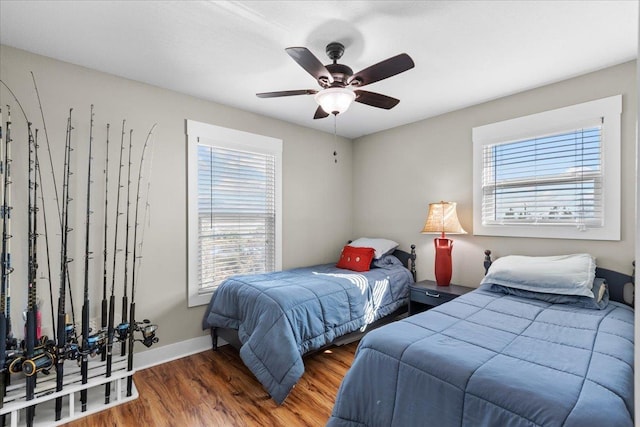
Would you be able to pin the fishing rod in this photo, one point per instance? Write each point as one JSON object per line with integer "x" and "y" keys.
{"x": 3, "y": 317}
{"x": 44, "y": 350}
{"x": 91, "y": 343}
{"x": 112, "y": 298}
{"x": 104, "y": 251}
{"x": 63, "y": 329}
{"x": 31, "y": 313}
{"x": 4, "y": 261}
{"x": 8, "y": 344}
{"x": 148, "y": 330}
{"x": 53, "y": 175}
{"x": 124, "y": 326}
{"x": 44, "y": 354}
{"x": 59, "y": 210}
{"x": 11, "y": 342}
{"x": 85, "y": 306}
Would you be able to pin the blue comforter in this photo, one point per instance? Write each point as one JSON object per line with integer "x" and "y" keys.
{"x": 488, "y": 359}
{"x": 280, "y": 316}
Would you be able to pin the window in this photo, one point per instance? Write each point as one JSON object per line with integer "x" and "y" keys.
{"x": 554, "y": 174}
{"x": 555, "y": 179}
{"x": 235, "y": 205}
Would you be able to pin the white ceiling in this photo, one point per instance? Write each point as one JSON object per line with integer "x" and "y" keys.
{"x": 466, "y": 52}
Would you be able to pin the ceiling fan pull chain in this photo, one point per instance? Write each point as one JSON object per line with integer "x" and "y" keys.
{"x": 335, "y": 139}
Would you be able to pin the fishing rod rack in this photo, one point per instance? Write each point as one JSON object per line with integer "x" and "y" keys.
{"x": 15, "y": 402}
{"x": 119, "y": 378}
{"x": 53, "y": 381}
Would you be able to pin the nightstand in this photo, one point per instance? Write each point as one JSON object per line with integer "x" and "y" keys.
{"x": 426, "y": 294}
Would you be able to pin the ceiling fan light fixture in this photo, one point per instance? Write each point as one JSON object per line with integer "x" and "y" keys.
{"x": 335, "y": 100}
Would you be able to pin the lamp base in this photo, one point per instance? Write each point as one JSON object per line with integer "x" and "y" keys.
{"x": 443, "y": 268}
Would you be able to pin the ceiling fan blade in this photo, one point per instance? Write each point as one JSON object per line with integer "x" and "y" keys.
{"x": 286, "y": 93}
{"x": 320, "y": 113}
{"x": 382, "y": 70}
{"x": 310, "y": 63}
{"x": 375, "y": 99}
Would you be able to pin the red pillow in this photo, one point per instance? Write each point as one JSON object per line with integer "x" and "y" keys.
{"x": 356, "y": 259}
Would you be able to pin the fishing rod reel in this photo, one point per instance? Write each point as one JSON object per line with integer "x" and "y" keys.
{"x": 122, "y": 331}
{"x": 146, "y": 328}
{"x": 70, "y": 350}
{"x": 42, "y": 361}
{"x": 148, "y": 331}
{"x": 70, "y": 333}
{"x": 10, "y": 359}
{"x": 96, "y": 344}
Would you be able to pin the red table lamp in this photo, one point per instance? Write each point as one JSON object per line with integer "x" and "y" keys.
{"x": 442, "y": 218}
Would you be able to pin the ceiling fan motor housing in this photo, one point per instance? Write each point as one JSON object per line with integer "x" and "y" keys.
{"x": 340, "y": 73}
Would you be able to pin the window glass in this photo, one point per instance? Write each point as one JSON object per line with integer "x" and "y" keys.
{"x": 234, "y": 206}
{"x": 555, "y": 179}
{"x": 554, "y": 174}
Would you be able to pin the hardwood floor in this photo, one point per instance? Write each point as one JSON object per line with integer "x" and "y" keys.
{"x": 216, "y": 389}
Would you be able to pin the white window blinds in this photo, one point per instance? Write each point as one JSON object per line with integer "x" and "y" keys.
{"x": 553, "y": 174}
{"x": 554, "y": 179}
{"x": 234, "y": 206}
{"x": 236, "y": 214}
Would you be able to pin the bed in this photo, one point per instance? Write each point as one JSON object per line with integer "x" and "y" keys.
{"x": 276, "y": 318}
{"x": 499, "y": 357}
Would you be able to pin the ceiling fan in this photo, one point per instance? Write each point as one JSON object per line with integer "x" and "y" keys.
{"x": 338, "y": 80}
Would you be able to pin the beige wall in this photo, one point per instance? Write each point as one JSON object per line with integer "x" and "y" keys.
{"x": 317, "y": 192}
{"x": 397, "y": 173}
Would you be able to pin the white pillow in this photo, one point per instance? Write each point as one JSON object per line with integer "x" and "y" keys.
{"x": 563, "y": 274}
{"x": 381, "y": 246}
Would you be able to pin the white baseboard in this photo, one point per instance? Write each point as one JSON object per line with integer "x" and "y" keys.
{"x": 167, "y": 353}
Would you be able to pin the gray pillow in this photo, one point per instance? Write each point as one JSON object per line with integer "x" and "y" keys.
{"x": 598, "y": 302}
{"x": 386, "y": 261}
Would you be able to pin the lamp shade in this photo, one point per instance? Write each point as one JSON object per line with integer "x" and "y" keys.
{"x": 335, "y": 100}
{"x": 443, "y": 218}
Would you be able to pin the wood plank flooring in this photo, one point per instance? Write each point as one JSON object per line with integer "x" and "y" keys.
{"x": 216, "y": 389}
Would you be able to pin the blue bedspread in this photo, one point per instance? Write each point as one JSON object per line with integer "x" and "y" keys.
{"x": 280, "y": 316}
{"x": 488, "y": 359}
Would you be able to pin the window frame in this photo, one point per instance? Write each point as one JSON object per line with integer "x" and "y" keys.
{"x": 212, "y": 135}
{"x": 546, "y": 123}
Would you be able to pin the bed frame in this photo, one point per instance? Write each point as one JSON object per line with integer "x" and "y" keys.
{"x": 408, "y": 259}
{"x": 618, "y": 283}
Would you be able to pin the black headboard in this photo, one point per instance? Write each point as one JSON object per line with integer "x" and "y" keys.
{"x": 616, "y": 281}
{"x": 407, "y": 259}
